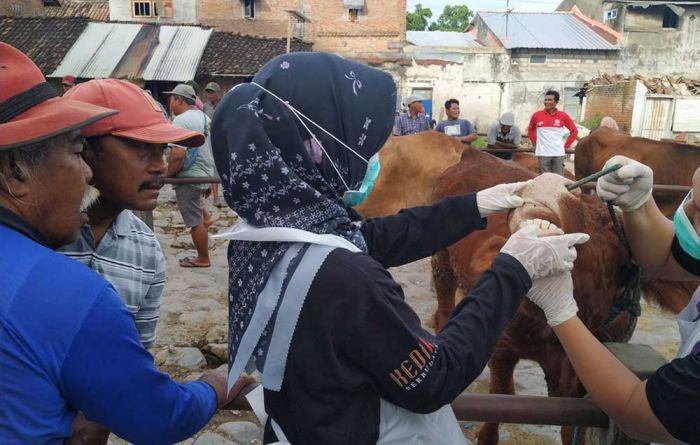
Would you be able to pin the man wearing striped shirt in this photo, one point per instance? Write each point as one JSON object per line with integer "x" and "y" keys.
{"x": 546, "y": 130}
{"x": 126, "y": 154}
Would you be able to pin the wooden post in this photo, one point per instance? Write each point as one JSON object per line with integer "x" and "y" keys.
{"x": 289, "y": 34}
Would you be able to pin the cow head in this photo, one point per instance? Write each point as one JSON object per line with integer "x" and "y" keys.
{"x": 546, "y": 198}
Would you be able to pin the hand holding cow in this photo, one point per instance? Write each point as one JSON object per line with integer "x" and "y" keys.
{"x": 555, "y": 296}
{"x": 500, "y": 198}
{"x": 629, "y": 187}
{"x": 542, "y": 256}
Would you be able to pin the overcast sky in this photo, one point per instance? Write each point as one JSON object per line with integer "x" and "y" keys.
{"x": 486, "y": 5}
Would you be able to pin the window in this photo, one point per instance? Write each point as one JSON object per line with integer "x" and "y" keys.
{"x": 249, "y": 9}
{"x": 538, "y": 58}
{"x": 671, "y": 19}
{"x": 353, "y": 15}
{"x": 609, "y": 15}
{"x": 144, "y": 9}
{"x": 141, "y": 9}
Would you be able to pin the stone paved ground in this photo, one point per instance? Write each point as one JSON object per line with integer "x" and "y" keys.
{"x": 192, "y": 330}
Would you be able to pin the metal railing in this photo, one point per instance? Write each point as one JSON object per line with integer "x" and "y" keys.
{"x": 500, "y": 408}
{"x": 212, "y": 180}
{"x": 516, "y": 150}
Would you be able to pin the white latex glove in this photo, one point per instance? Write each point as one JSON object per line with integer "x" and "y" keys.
{"x": 629, "y": 187}
{"x": 555, "y": 296}
{"x": 500, "y": 198}
{"x": 543, "y": 255}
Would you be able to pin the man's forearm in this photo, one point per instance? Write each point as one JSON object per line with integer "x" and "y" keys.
{"x": 469, "y": 138}
{"x": 613, "y": 387}
{"x": 650, "y": 235}
{"x": 176, "y": 161}
{"x": 505, "y": 145}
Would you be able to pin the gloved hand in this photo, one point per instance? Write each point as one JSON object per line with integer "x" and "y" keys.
{"x": 555, "y": 296}
{"x": 499, "y": 198}
{"x": 543, "y": 255}
{"x": 629, "y": 187}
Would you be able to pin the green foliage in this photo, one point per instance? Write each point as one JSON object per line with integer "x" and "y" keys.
{"x": 453, "y": 18}
{"x": 479, "y": 142}
{"x": 593, "y": 122}
{"x": 418, "y": 20}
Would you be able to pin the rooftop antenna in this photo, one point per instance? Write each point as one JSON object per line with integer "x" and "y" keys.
{"x": 508, "y": 11}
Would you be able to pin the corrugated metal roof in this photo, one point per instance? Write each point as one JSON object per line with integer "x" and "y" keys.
{"x": 441, "y": 38}
{"x": 553, "y": 30}
{"x": 142, "y": 51}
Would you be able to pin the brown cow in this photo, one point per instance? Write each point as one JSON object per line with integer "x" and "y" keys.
{"x": 410, "y": 166}
{"x": 672, "y": 163}
{"x": 600, "y": 274}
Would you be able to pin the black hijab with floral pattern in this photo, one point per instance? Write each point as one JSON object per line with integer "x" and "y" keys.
{"x": 275, "y": 174}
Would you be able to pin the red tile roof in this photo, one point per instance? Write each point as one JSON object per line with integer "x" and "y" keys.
{"x": 235, "y": 54}
{"x": 45, "y": 40}
{"x": 97, "y": 11}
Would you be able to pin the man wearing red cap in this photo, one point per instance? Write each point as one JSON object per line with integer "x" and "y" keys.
{"x": 126, "y": 154}
{"x": 67, "y": 343}
{"x": 67, "y": 83}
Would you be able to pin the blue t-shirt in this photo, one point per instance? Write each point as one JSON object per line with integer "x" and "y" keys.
{"x": 457, "y": 128}
{"x": 68, "y": 344}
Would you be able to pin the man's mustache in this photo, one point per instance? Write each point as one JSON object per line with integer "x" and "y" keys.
{"x": 156, "y": 182}
{"x": 89, "y": 198}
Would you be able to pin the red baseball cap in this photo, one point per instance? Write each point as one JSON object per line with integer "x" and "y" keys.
{"x": 30, "y": 109}
{"x": 140, "y": 116}
{"x": 68, "y": 80}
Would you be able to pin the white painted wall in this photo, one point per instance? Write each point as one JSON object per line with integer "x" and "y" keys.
{"x": 652, "y": 51}
{"x": 488, "y": 82}
{"x": 184, "y": 11}
{"x": 640, "y": 96}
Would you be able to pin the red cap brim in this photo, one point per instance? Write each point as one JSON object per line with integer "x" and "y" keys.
{"x": 48, "y": 119}
{"x": 165, "y": 133}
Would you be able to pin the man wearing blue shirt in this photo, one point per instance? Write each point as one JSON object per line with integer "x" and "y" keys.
{"x": 413, "y": 120}
{"x": 454, "y": 126}
{"x": 67, "y": 343}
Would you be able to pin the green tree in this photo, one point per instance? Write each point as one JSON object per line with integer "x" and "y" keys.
{"x": 453, "y": 18}
{"x": 418, "y": 20}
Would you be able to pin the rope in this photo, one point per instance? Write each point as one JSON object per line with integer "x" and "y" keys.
{"x": 629, "y": 299}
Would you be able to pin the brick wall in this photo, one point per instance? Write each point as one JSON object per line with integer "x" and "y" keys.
{"x": 381, "y": 27}
{"x": 616, "y": 101}
{"x": 18, "y": 8}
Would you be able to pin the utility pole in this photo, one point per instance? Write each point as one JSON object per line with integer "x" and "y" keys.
{"x": 507, "y": 16}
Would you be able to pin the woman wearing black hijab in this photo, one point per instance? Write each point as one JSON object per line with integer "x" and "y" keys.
{"x": 311, "y": 303}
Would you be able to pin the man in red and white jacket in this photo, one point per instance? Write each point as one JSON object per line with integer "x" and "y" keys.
{"x": 546, "y": 130}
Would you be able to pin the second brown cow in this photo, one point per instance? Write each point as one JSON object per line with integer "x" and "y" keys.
{"x": 672, "y": 163}
{"x": 600, "y": 274}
